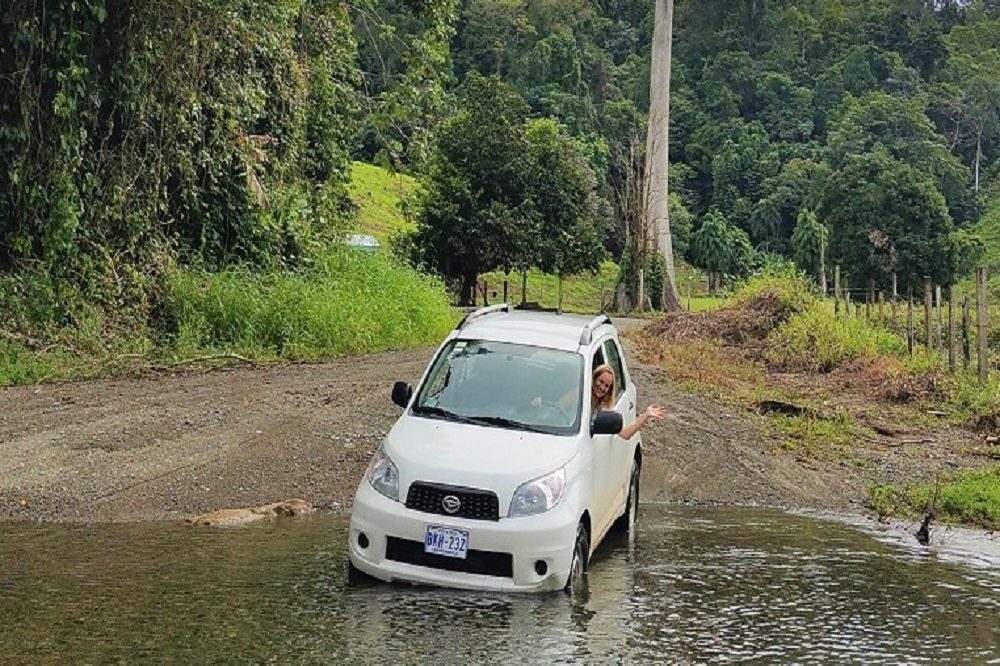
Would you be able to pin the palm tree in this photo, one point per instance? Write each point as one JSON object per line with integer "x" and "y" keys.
{"x": 809, "y": 244}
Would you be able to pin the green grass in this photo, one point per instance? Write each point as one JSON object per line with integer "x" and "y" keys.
{"x": 20, "y": 365}
{"x": 705, "y": 303}
{"x": 816, "y": 340}
{"x": 581, "y": 293}
{"x": 971, "y": 497}
{"x": 347, "y": 303}
{"x": 380, "y": 197}
{"x": 813, "y": 434}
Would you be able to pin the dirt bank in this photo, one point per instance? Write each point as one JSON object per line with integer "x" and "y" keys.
{"x": 169, "y": 447}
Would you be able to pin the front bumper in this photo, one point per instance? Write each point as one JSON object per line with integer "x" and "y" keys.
{"x": 548, "y": 537}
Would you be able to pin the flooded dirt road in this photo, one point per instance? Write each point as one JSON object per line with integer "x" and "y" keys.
{"x": 697, "y": 585}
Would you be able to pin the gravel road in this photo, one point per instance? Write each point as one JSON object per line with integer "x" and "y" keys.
{"x": 169, "y": 447}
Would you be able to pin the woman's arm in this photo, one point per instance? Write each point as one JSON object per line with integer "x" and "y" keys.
{"x": 652, "y": 412}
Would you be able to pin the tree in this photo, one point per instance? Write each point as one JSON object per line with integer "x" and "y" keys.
{"x": 721, "y": 248}
{"x": 505, "y": 192}
{"x": 902, "y": 130}
{"x": 887, "y": 217}
{"x": 657, "y": 205}
{"x": 570, "y": 236}
{"x": 490, "y": 34}
{"x": 475, "y": 202}
{"x": 809, "y": 242}
{"x": 974, "y": 74}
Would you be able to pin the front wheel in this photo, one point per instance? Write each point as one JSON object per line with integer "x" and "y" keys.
{"x": 576, "y": 582}
{"x": 626, "y": 523}
{"x": 356, "y": 576}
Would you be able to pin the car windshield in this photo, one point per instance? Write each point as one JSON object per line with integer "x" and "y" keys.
{"x": 504, "y": 385}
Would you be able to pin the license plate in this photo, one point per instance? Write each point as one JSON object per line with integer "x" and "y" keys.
{"x": 446, "y": 541}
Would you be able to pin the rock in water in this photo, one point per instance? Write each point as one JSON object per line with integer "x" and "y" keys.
{"x": 231, "y": 517}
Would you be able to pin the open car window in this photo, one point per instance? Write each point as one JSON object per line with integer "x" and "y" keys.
{"x": 504, "y": 384}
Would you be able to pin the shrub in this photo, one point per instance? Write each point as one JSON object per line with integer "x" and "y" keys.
{"x": 816, "y": 340}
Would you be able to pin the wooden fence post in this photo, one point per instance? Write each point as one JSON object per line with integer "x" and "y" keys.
{"x": 870, "y": 300}
{"x": 881, "y": 306}
{"x": 951, "y": 328}
{"x": 981, "y": 322}
{"x": 895, "y": 297}
{"x": 966, "y": 354}
{"x": 927, "y": 313}
{"x": 847, "y": 303}
{"x": 909, "y": 322}
{"x": 836, "y": 290}
{"x": 940, "y": 333}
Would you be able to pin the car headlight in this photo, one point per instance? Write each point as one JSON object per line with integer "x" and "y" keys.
{"x": 383, "y": 475}
{"x": 539, "y": 495}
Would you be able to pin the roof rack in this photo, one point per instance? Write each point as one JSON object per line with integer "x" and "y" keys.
{"x": 476, "y": 314}
{"x": 588, "y": 330}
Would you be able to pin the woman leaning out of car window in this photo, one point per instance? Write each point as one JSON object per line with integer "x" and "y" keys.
{"x": 602, "y": 393}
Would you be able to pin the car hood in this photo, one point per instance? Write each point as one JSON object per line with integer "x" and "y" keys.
{"x": 490, "y": 458}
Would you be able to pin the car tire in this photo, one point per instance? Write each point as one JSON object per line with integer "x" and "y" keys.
{"x": 576, "y": 581}
{"x": 356, "y": 576}
{"x": 626, "y": 522}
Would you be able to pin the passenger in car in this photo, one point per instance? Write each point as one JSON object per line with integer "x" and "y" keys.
{"x": 602, "y": 397}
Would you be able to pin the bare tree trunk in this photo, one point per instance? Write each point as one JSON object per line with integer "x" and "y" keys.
{"x": 979, "y": 153}
{"x": 468, "y": 294}
{"x": 656, "y": 210}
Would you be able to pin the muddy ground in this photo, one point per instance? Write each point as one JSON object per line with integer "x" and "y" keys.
{"x": 172, "y": 446}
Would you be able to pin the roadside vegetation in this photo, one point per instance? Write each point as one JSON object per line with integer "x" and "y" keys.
{"x": 337, "y": 301}
{"x": 345, "y": 302}
{"x": 838, "y": 389}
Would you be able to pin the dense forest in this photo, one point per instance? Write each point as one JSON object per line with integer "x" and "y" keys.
{"x": 142, "y": 136}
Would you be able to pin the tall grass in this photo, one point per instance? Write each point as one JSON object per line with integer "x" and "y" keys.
{"x": 816, "y": 340}
{"x": 348, "y": 302}
{"x": 790, "y": 288}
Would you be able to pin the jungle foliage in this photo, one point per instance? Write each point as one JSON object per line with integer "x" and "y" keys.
{"x": 140, "y": 137}
{"x": 137, "y": 135}
{"x": 779, "y": 109}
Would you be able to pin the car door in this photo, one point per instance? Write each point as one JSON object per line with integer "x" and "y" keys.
{"x": 619, "y": 464}
{"x": 604, "y": 447}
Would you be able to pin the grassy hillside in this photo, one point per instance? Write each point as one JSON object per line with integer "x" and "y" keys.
{"x": 380, "y": 197}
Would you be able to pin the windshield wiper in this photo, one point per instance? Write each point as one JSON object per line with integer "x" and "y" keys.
{"x": 504, "y": 423}
{"x": 427, "y": 410}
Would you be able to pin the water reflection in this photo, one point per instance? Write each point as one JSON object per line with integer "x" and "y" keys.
{"x": 717, "y": 586}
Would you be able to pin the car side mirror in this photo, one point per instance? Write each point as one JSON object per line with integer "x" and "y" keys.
{"x": 606, "y": 422}
{"x": 401, "y": 393}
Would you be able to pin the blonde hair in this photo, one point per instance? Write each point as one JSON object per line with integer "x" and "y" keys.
{"x": 606, "y": 401}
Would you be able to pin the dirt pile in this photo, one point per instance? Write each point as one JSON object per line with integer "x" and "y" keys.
{"x": 748, "y": 322}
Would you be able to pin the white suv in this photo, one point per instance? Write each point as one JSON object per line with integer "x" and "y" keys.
{"x": 497, "y": 475}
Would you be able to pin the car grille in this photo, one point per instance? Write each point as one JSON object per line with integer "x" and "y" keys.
{"x": 475, "y": 504}
{"x": 484, "y": 562}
